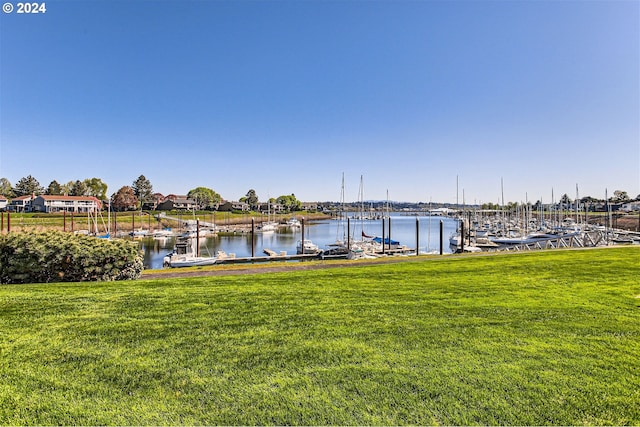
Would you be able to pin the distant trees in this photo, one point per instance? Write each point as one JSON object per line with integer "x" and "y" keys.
{"x": 124, "y": 199}
{"x": 204, "y": 197}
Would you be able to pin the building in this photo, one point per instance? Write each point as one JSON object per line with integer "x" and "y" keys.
{"x": 3, "y": 203}
{"x": 20, "y": 204}
{"x": 76, "y": 204}
{"x": 177, "y": 204}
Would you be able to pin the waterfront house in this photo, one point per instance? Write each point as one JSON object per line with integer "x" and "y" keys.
{"x": 177, "y": 204}
{"x": 20, "y": 204}
{"x": 309, "y": 206}
{"x": 76, "y": 204}
{"x": 3, "y": 203}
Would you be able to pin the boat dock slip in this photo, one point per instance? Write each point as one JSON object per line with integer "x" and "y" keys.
{"x": 275, "y": 257}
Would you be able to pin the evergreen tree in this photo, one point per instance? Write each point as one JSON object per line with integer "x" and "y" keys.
{"x": 142, "y": 189}
{"x": 6, "y": 189}
{"x": 28, "y": 185}
{"x": 54, "y": 188}
{"x": 78, "y": 189}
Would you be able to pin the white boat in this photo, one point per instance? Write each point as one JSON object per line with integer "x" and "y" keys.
{"x": 139, "y": 233}
{"x": 185, "y": 255}
{"x": 162, "y": 234}
{"x": 455, "y": 240}
{"x": 294, "y": 223}
{"x": 309, "y": 247}
{"x": 269, "y": 227}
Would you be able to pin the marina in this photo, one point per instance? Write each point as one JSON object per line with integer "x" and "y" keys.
{"x": 323, "y": 239}
{"x": 354, "y": 237}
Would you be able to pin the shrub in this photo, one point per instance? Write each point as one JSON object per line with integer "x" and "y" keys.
{"x": 54, "y": 256}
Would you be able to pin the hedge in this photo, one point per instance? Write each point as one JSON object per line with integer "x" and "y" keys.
{"x": 54, "y": 256}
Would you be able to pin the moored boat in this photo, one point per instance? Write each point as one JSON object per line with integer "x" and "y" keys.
{"x": 185, "y": 254}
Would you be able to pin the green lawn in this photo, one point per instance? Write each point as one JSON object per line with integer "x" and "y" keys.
{"x": 544, "y": 338}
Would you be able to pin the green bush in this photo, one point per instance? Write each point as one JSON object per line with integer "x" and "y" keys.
{"x": 55, "y": 256}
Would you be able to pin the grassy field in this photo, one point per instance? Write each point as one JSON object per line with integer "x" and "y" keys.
{"x": 545, "y": 338}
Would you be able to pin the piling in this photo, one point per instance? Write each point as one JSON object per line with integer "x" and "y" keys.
{"x": 389, "y": 233}
{"x": 417, "y": 236}
{"x": 441, "y": 237}
{"x": 197, "y": 236}
{"x": 462, "y": 236}
{"x": 302, "y": 238}
{"x": 348, "y": 234}
{"x": 382, "y": 236}
{"x": 253, "y": 239}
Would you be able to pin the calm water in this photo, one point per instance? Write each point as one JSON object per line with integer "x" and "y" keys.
{"x": 322, "y": 233}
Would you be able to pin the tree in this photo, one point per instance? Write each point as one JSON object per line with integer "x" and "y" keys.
{"x": 142, "y": 189}
{"x": 28, "y": 185}
{"x": 619, "y": 197}
{"x": 54, "y": 188}
{"x": 565, "y": 200}
{"x": 290, "y": 203}
{"x": 252, "y": 199}
{"x": 124, "y": 199}
{"x": 6, "y": 188}
{"x": 78, "y": 189}
{"x": 204, "y": 197}
{"x": 96, "y": 188}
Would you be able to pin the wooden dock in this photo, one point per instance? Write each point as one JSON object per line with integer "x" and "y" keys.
{"x": 271, "y": 256}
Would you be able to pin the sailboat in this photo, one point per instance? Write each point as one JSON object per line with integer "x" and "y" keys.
{"x": 270, "y": 226}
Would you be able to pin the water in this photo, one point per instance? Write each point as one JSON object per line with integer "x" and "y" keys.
{"x": 322, "y": 233}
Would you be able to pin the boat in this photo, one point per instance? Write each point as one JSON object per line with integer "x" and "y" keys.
{"x": 269, "y": 227}
{"x": 308, "y": 247}
{"x": 162, "y": 234}
{"x": 294, "y": 223}
{"x": 185, "y": 255}
{"x": 139, "y": 233}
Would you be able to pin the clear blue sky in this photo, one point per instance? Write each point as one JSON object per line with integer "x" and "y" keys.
{"x": 285, "y": 96}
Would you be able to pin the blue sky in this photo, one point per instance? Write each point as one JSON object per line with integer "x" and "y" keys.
{"x": 285, "y": 96}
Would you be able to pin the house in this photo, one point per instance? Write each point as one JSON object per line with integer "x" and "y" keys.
{"x": 177, "y": 204}
{"x": 20, "y": 204}
{"x": 309, "y": 206}
{"x": 76, "y": 204}
{"x": 3, "y": 203}
{"x": 627, "y": 207}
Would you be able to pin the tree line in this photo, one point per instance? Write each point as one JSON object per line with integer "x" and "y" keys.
{"x": 130, "y": 197}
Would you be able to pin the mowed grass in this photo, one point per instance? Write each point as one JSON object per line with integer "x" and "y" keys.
{"x": 546, "y": 338}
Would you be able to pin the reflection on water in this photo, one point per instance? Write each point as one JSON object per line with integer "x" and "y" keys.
{"x": 322, "y": 233}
